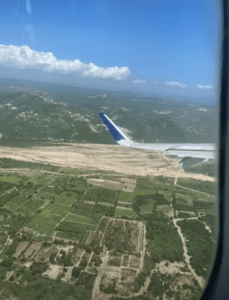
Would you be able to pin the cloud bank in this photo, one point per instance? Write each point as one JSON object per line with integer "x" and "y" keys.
{"x": 173, "y": 83}
{"x": 204, "y": 87}
{"x": 139, "y": 81}
{"x": 25, "y": 58}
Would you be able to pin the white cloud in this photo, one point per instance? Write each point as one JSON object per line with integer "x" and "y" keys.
{"x": 173, "y": 83}
{"x": 204, "y": 87}
{"x": 24, "y": 57}
{"x": 139, "y": 81}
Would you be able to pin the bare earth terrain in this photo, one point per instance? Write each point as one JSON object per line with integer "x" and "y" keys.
{"x": 103, "y": 157}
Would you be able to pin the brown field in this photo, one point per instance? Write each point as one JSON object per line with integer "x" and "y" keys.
{"x": 134, "y": 262}
{"x": 21, "y": 246}
{"x": 113, "y": 185}
{"x": 53, "y": 271}
{"x": 97, "y": 182}
{"x": 129, "y": 180}
{"x": 34, "y": 248}
{"x": 128, "y": 187}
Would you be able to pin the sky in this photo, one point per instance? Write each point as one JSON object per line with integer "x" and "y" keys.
{"x": 161, "y": 46}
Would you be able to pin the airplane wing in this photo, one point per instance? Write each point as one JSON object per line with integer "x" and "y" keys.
{"x": 205, "y": 151}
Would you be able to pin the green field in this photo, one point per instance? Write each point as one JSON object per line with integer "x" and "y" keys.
{"x": 79, "y": 219}
{"x": 76, "y": 230}
{"x": 14, "y": 203}
{"x": 147, "y": 207}
{"x": 10, "y": 179}
{"x": 124, "y": 212}
{"x": 144, "y": 192}
{"x": 67, "y": 235}
{"x": 55, "y": 212}
{"x": 42, "y": 224}
{"x": 48, "y": 190}
{"x": 125, "y": 197}
{"x": 186, "y": 199}
{"x": 65, "y": 200}
{"x": 43, "y": 195}
{"x": 60, "y": 182}
{"x": 99, "y": 194}
{"x": 167, "y": 194}
{"x": 199, "y": 185}
{"x": 163, "y": 208}
{"x": 30, "y": 207}
{"x": 103, "y": 224}
{"x": 87, "y": 213}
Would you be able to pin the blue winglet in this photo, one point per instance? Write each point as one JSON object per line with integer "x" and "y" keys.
{"x": 117, "y": 135}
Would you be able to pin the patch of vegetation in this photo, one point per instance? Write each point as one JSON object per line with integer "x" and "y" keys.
{"x": 199, "y": 185}
{"x": 124, "y": 212}
{"x": 79, "y": 230}
{"x": 30, "y": 207}
{"x": 7, "y": 163}
{"x": 202, "y": 253}
{"x": 103, "y": 224}
{"x": 167, "y": 248}
{"x": 99, "y": 194}
{"x": 104, "y": 210}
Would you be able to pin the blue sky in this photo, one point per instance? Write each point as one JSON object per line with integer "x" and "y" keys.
{"x": 162, "y": 46}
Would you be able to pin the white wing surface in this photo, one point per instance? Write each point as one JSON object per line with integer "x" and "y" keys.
{"x": 205, "y": 151}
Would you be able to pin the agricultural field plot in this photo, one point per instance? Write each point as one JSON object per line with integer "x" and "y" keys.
{"x": 206, "y": 198}
{"x": 198, "y": 185}
{"x": 122, "y": 235}
{"x": 163, "y": 208}
{"x": 14, "y": 203}
{"x": 134, "y": 262}
{"x": 10, "y": 179}
{"x": 55, "y": 211}
{"x": 94, "y": 239}
{"x": 164, "y": 180}
{"x": 148, "y": 207}
{"x": 42, "y": 224}
{"x": 143, "y": 192}
{"x": 21, "y": 246}
{"x": 60, "y": 182}
{"x": 65, "y": 199}
{"x": 5, "y": 186}
{"x": 30, "y": 207}
{"x": 46, "y": 252}
{"x": 113, "y": 185}
{"x": 125, "y": 197}
{"x": 32, "y": 251}
{"x": 167, "y": 194}
{"x": 99, "y": 194}
{"x": 124, "y": 212}
{"x": 47, "y": 196}
{"x": 103, "y": 224}
{"x": 87, "y": 213}
{"x": 67, "y": 235}
{"x": 185, "y": 199}
{"x": 48, "y": 190}
{"x": 76, "y": 230}
{"x": 80, "y": 219}
{"x": 127, "y": 205}
{"x": 43, "y": 181}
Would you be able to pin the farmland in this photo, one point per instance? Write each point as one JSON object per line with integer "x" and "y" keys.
{"x": 58, "y": 226}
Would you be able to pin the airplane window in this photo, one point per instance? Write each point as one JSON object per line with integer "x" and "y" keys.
{"x": 109, "y": 120}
